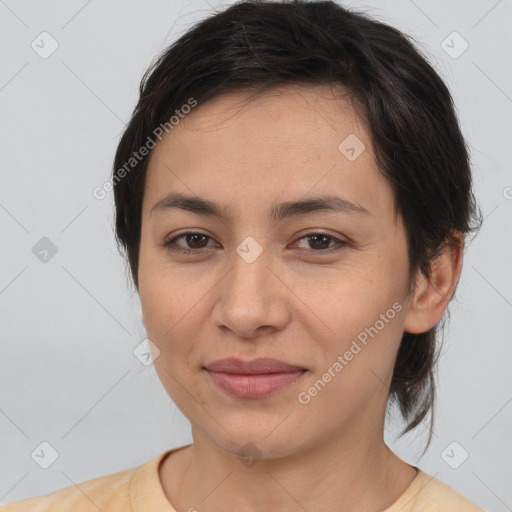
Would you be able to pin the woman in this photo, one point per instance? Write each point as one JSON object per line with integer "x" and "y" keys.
{"x": 292, "y": 194}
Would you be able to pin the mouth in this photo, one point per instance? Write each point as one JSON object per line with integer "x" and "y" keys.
{"x": 253, "y": 379}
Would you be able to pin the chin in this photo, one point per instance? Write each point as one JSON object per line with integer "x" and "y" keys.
{"x": 256, "y": 443}
{"x": 258, "y": 449}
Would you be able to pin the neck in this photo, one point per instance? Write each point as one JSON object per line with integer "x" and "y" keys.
{"x": 350, "y": 472}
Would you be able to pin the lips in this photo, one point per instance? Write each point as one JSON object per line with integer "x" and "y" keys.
{"x": 256, "y": 367}
{"x": 253, "y": 379}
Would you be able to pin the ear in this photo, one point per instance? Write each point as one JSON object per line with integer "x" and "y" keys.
{"x": 432, "y": 295}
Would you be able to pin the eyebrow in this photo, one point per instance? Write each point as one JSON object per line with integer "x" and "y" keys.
{"x": 277, "y": 211}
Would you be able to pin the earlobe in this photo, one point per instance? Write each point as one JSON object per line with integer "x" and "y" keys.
{"x": 433, "y": 294}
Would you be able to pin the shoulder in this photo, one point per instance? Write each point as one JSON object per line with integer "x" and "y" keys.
{"x": 107, "y": 493}
{"x": 428, "y": 494}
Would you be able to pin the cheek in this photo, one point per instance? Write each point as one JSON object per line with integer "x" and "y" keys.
{"x": 170, "y": 310}
{"x": 345, "y": 300}
{"x": 357, "y": 365}
{"x": 361, "y": 321}
{"x": 167, "y": 293}
{"x": 176, "y": 314}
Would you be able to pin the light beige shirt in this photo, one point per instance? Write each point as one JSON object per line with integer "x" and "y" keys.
{"x": 139, "y": 490}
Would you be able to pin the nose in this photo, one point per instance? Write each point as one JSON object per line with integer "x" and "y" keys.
{"x": 252, "y": 299}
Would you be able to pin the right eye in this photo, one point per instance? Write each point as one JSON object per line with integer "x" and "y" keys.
{"x": 191, "y": 237}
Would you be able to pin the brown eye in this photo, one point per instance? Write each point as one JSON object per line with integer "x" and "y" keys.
{"x": 195, "y": 242}
{"x": 196, "y": 239}
{"x": 320, "y": 242}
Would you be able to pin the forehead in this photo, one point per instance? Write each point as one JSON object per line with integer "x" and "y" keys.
{"x": 283, "y": 110}
{"x": 278, "y": 145}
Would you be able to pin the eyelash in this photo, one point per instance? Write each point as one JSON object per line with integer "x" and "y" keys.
{"x": 176, "y": 249}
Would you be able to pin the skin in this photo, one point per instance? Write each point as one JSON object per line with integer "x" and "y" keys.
{"x": 296, "y": 302}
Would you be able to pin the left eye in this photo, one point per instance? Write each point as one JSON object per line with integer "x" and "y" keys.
{"x": 323, "y": 239}
{"x": 318, "y": 241}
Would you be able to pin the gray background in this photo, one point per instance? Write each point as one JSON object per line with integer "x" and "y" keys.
{"x": 69, "y": 325}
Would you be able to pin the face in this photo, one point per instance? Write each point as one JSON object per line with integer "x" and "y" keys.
{"x": 319, "y": 287}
